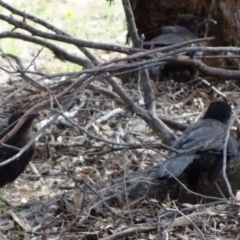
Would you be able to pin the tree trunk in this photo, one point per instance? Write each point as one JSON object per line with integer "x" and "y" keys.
{"x": 227, "y": 31}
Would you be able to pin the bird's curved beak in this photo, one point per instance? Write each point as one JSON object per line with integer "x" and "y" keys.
{"x": 208, "y": 21}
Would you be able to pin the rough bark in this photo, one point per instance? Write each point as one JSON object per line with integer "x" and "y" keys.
{"x": 227, "y": 31}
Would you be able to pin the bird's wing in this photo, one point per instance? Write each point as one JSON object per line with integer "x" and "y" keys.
{"x": 174, "y": 29}
{"x": 203, "y": 134}
{"x": 174, "y": 166}
{"x": 232, "y": 146}
{"x": 168, "y": 39}
{"x": 198, "y": 130}
{"x": 196, "y": 137}
{"x": 173, "y": 35}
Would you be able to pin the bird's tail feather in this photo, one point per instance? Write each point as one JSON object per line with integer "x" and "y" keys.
{"x": 174, "y": 166}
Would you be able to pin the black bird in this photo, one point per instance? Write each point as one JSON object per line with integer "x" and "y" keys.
{"x": 186, "y": 29}
{"x": 209, "y": 159}
{"x": 11, "y": 171}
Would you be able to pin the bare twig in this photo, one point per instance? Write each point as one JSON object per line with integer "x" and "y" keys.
{"x": 133, "y": 230}
{"x": 132, "y": 29}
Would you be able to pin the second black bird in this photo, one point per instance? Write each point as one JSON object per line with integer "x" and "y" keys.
{"x": 185, "y": 29}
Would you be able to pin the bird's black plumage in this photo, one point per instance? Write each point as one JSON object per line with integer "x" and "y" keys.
{"x": 209, "y": 158}
{"x": 12, "y": 170}
{"x": 186, "y": 29}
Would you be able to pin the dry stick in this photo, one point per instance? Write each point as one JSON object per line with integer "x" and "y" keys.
{"x": 16, "y": 58}
{"x": 188, "y": 210}
{"x": 105, "y": 63}
{"x": 166, "y": 57}
{"x": 210, "y": 71}
{"x": 40, "y": 176}
{"x": 145, "y": 53}
{"x": 57, "y": 51}
{"x": 64, "y": 55}
{"x": 178, "y": 152}
{"x": 150, "y": 106}
{"x": 204, "y": 49}
{"x": 149, "y": 100}
{"x": 228, "y": 128}
{"x": 130, "y": 231}
{"x": 105, "y": 92}
{"x": 10, "y": 146}
{"x": 132, "y": 29}
{"x": 104, "y": 67}
{"x": 213, "y": 88}
{"x": 125, "y": 185}
{"x": 218, "y": 56}
{"x": 210, "y": 49}
{"x": 182, "y": 214}
{"x": 115, "y": 97}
